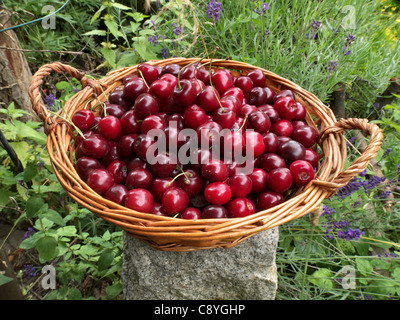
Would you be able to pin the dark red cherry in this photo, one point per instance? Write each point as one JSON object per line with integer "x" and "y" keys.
{"x": 245, "y": 84}
{"x": 284, "y": 93}
{"x": 268, "y": 199}
{"x": 272, "y": 114}
{"x": 191, "y": 213}
{"x": 145, "y": 105}
{"x": 140, "y": 200}
{"x": 111, "y": 155}
{"x": 136, "y": 162}
{"x": 130, "y": 122}
{"x": 215, "y": 170}
{"x": 236, "y": 92}
{"x": 208, "y": 133}
{"x": 241, "y": 185}
{"x": 254, "y": 141}
{"x": 240, "y": 207}
{"x": 163, "y": 165}
{"x": 110, "y": 128}
{"x": 280, "y": 180}
{"x": 119, "y": 171}
{"x": 95, "y": 146}
{"x": 148, "y": 72}
{"x": 139, "y": 178}
{"x": 83, "y": 119}
{"x": 115, "y": 110}
{"x": 208, "y": 99}
{"x": 259, "y": 121}
{"x": 162, "y": 88}
{"x": 171, "y": 68}
{"x": 116, "y": 193}
{"x": 259, "y": 177}
{"x": 257, "y": 96}
{"x": 174, "y": 201}
{"x": 142, "y": 144}
{"x": 222, "y": 81}
{"x": 247, "y": 109}
{"x": 160, "y": 185}
{"x": 233, "y": 144}
{"x": 183, "y": 95}
{"x": 306, "y": 135}
{"x": 194, "y": 116}
{"x": 218, "y": 193}
{"x": 158, "y": 210}
{"x": 132, "y": 89}
{"x": 153, "y": 122}
{"x": 214, "y": 212}
{"x": 257, "y": 77}
{"x": 128, "y": 78}
{"x": 312, "y": 157}
{"x": 191, "y": 181}
{"x": 100, "y": 180}
{"x": 199, "y": 157}
{"x": 270, "y": 142}
{"x": 224, "y": 117}
{"x": 270, "y": 161}
{"x": 301, "y": 112}
{"x": 291, "y": 151}
{"x": 84, "y": 165}
{"x": 176, "y": 120}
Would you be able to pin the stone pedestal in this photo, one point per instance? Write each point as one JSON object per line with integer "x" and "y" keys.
{"x": 244, "y": 272}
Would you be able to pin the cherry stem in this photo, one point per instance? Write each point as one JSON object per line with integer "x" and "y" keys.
{"x": 209, "y": 75}
{"x": 141, "y": 74}
{"x": 179, "y": 73}
{"x": 183, "y": 173}
{"x": 69, "y": 121}
{"x": 244, "y": 122}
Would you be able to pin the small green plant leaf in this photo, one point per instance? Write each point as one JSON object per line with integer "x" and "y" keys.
{"x": 4, "y": 279}
{"x": 105, "y": 259}
{"x": 46, "y": 246}
{"x": 33, "y": 205}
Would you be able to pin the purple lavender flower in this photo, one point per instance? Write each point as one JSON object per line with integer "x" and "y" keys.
{"x": 214, "y": 10}
{"x": 30, "y": 271}
{"x": 266, "y": 34}
{"x": 350, "y": 234}
{"x": 316, "y": 24}
{"x": 177, "y": 30}
{"x": 333, "y": 65}
{"x": 350, "y": 39}
{"x": 154, "y": 40}
{"x": 28, "y": 233}
{"x": 164, "y": 53}
{"x": 50, "y": 99}
{"x": 264, "y": 8}
{"x": 327, "y": 211}
{"x": 41, "y": 163}
{"x": 386, "y": 153}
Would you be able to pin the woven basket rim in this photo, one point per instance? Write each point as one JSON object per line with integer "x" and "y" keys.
{"x": 172, "y": 234}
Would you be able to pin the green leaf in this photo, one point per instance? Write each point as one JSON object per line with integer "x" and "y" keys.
{"x": 46, "y": 246}
{"x": 30, "y": 172}
{"x": 105, "y": 259}
{"x": 120, "y": 6}
{"x": 101, "y": 33}
{"x": 33, "y": 205}
{"x": 144, "y": 51}
{"x": 114, "y": 290}
{"x": 113, "y": 27}
{"x": 21, "y": 148}
{"x": 322, "y": 278}
{"x": 4, "y": 279}
{"x": 97, "y": 14}
{"x": 68, "y": 231}
{"x": 364, "y": 266}
{"x": 55, "y": 217}
{"x": 109, "y": 55}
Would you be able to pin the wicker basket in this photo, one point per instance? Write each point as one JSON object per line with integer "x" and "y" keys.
{"x": 172, "y": 234}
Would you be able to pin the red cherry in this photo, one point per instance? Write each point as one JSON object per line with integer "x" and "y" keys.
{"x": 222, "y": 81}
{"x": 194, "y": 116}
{"x": 272, "y": 114}
{"x": 130, "y": 122}
{"x": 145, "y": 105}
{"x": 302, "y": 172}
{"x": 83, "y": 119}
{"x": 199, "y": 157}
{"x": 150, "y": 73}
{"x": 117, "y": 193}
{"x": 191, "y": 182}
{"x": 119, "y": 171}
{"x": 214, "y": 212}
{"x": 306, "y": 135}
{"x": 183, "y": 95}
{"x": 163, "y": 165}
{"x": 129, "y": 77}
{"x": 241, "y": 185}
{"x": 160, "y": 185}
{"x": 259, "y": 121}
{"x": 112, "y": 155}
{"x": 312, "y": 157}
{"x": 245, "y": 83}
{"x": 284, "y": 93}
{"x": 215, "y": 170}
{"x": 110, "y": 128}
{"x": 254, "y": 141}
{"x": 257, "y": 96}
{"x": 162, "y": 88}
{"x": 152, "y": 122}
{"x": 140, "y": 200}
{"x": 132, "y": 89}
{"x": 268, "y": 199}
{"x": 280, "y": 180}
{"x": 286, "y": 107}
{"x": 259, "y": 178}
{"x": 257, "y": 77}
{"x": 95, "y": 146}
{"x": 282, "y": 127}
{"x": 233, "y": 145}
{"x": 208, "y": 99}
{"x": 100, "y": 180}
{"x": 84, "y": 165}
{"x": 171, "y": 68}
{"x": 270, "y": 161}
{"x": 291, "y": 151}
{"x": 136, "y": 162}
{"x": 208, "y": 133}
{"x": 139, "y": 178}
{"x": 270, "y": 142}
{"x": 218, "y": 193}
{"x": 174, "y": 201}
{"x": 158, "y": 210}
{"x": 247, "y": 109}
{"x": 240, "y": 207}
{"x": 301, "y": 112}
{"x": 191, "y": 213}
{"x": 115, "y": 110}
{"x": 224, "y": 117}
{"x": 236, "y": 92}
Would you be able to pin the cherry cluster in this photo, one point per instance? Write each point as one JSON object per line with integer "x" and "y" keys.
{"x": 264, "y": 127}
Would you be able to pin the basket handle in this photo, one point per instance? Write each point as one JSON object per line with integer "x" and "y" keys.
{"x": 359, "y": 165}
{"x": 37, "y": 80}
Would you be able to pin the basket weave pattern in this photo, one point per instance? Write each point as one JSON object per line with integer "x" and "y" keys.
{"x": 171, "y": 234}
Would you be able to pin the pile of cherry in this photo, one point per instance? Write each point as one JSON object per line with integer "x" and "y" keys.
{"x": 111, "y": 151}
